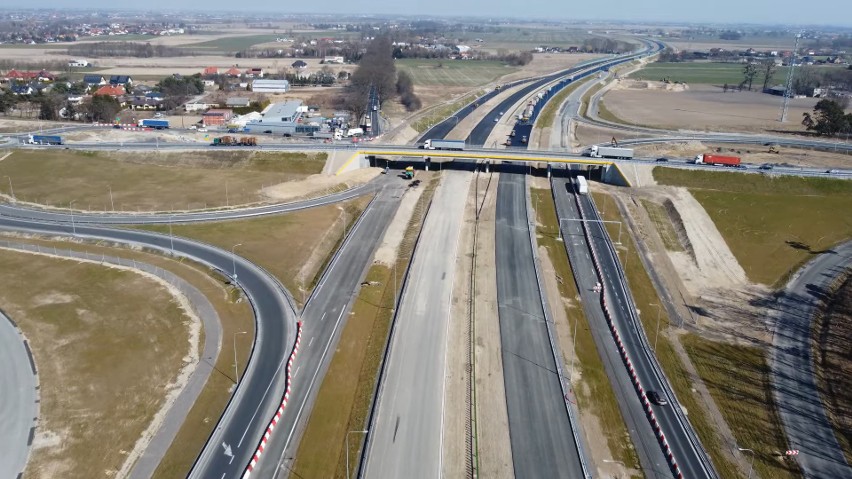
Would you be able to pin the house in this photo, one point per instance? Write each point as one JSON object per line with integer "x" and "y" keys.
{"x": 143, "y": 103}
{"x": 216, "y": 117}
{"x": 111, "y": 90}
{"x": 208, "y": 82}
{"x": 270, "y": 86}
{"x": 210, "y": 71}
{"x": 45, "y": 76}
{"x": 233, "y": 72}
{"x": 15, "y": 75}
{"x": 254, "y": 73}
{"x": 198, "y": 106}
{"x": 94, "y": 80}
{"x": 120, "y": 80}
{"x": 299, "y": 65}
{"x": 78, "y": 63}
{"x": 237, "y": 102}
{"x": 22, "y": 89}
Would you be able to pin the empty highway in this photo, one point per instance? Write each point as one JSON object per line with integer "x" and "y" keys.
{"x": 407, "y": 432}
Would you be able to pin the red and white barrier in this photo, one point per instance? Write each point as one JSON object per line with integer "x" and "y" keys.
{"x": 277, "y": 417}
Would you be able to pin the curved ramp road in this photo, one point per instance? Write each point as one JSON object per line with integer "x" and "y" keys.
{"x": 796, "y": 393}
{"x": 17, "y": 399}
{"x": 262, "y": 385}
{"x": 407, "y": 433}
{"x": 539, "y": 426}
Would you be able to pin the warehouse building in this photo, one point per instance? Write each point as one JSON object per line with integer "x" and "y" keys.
{"x": 270, "y": 86}
{"x": 282, "y": 119}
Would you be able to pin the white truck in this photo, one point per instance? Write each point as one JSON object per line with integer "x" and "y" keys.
{"x": 443, "y": 145}
{"x": 611, "y": 152}
{"x": 582, "y": 185}
{"x": 354, "y": 132}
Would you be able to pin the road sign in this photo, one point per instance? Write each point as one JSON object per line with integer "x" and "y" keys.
{"x": 792, "y": 452}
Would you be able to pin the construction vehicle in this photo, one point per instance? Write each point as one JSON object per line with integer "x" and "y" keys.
{"x": 609, "y": 152}
{"x": 717, "y": 160}
{"x": 225, "y": 141}
{"x": 408, "y": 173}
{"x": 248, "y": 141}
{"x": 44, "y": 140}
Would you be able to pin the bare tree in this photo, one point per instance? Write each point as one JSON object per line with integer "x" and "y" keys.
{"x": 768, "y": 67}
{"x": 749, "y": 72}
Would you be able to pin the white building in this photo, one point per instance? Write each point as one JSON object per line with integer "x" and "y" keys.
{"x": 332, "y": 60}
{"x": 78, "y": 63}
{"x": 270, "y": 86}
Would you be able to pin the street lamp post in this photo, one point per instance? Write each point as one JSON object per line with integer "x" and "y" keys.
{"x": 236, "y": 369}
{"x": 348, "y": 475}
{"x": 73, "y": 226}
{"x": 111, "y": 203}
{"x": 234, "y": 259}
{"x": 751, "y": 465}
{"x": 171, "y": 238}
{"x": 11, "y": 190}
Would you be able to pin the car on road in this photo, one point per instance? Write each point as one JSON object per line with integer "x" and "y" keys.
{"x": 496, "y": 119}
{"x": 662, "y": 159}
{"x": 832, "y": 172}
{"x": 655, "y": 398}
{"x": 765, "y": 166}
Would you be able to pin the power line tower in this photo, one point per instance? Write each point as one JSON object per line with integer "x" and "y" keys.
{"x": 789, "y": 86}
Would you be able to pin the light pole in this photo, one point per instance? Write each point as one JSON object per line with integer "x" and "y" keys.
{"x": 111, "y": 203}
{"x": 73, "y": 226}
{"x": 236, "y": 370}
{"x": 347, "y": 449}
{"x": 751, "y": 465}
{"x": 234, "y": 259}
{"x": 11, "y": 190}
{"x": 657, "y": 335}
{"x": 171, "y": 238}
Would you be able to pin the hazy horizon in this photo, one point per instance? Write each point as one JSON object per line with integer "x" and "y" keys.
{"x": 784, "y": 12}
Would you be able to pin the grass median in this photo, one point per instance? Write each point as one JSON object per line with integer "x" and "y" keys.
{"x": 105, "y": 181}
{"x": 442, "y": 112}
{"x": 772, "y": 224}
{"x": 593, "y": 390}
{"x": 649, "y": 305}
{"x": 548, "y": 115}
{"x": 346, "y": 394}
{"x": 293, "y": 247}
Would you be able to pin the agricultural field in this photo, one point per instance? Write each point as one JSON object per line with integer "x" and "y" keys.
{"x": 234, "y": 43}
{"x": 710, "y": 73}
{"x": 453, "y": 73}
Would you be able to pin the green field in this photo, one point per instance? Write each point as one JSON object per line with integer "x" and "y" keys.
{"x": 712, "y": 73}
{"x": 230, "y": 44}
{"x": 526, "y": 38}
{"x": 461, "y": 73}
{"x": 772, "y": 224}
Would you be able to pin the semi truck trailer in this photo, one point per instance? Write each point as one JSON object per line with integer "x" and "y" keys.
{"x": 44, "y": 140}
{"x": 611, "y": 152}
{"x": 457, "y": 145}
{"x": 717, "y": 160}
{"x": 582, "y": 185}
{"x": 153, "y": 123}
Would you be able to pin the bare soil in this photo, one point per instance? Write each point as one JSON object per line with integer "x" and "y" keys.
{"x": 319, "y": 185}
{"x": 705, "y": 108}
{"x": 755, "y": 154}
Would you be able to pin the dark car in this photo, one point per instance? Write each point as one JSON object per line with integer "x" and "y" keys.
{"x": 766, "y": 166}
{"x": 655, "y": 398}
{"x": 662, "y": 159}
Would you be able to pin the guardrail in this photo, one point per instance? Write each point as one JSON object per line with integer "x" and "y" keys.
{"x": 554, "y": 347}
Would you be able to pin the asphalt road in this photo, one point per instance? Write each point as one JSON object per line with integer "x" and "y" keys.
{"x": 685, "y": 446}
{"x": 263, "y": 384}
{"x": 651, "y": 458}
{"x": 796, "y": 393}
{"x": 407, "y": 434}
{"x": 539, "y": 426}
{"x": 323, "y": 320}
{"x": 17, "y": 400}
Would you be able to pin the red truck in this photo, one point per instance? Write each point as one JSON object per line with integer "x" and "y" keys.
{"x": 717, "y": 160}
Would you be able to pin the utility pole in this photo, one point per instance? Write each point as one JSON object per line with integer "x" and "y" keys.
{"x": 789, "y": 85}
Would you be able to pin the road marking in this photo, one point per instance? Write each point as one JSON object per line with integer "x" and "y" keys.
{"x": 283, "y": 360}
{"x": 312, "y": 341}
{"x": 323, "y": 315}
{"x": 297, "y": 372}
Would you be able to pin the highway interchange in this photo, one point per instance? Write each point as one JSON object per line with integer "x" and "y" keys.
{"x": 543, "y": 443}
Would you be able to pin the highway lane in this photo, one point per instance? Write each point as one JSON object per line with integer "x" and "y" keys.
{"x": 18, "y": 407}
{"x": 407, "y": 432}
{"x": 540, "y": 431}
{"x": 685, "y": 446}
{"x": 323, "y": 320}
{"x": 260, "y": 390}
{"x": 14, "y": 210}
{"x": 796, "y": 393}
{"x": 654, "y": 463}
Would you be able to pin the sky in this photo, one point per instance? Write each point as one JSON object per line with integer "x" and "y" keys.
{"x": 827, "y": 12}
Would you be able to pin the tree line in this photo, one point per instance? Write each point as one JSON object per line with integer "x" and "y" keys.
{"x": 829, "y": 117}
{"x": 125, "y": 49}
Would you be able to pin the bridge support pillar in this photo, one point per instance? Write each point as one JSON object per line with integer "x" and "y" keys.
{"x": 487, "y": 163}
{"x": 549, "y": 170}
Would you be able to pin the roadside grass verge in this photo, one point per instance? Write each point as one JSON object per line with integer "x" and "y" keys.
{"x": 148, "y": 180}
{"x": 593, "y": 390}
{"x": 548, "y": 115}
{"x": 453, "y": 73}
{"x": 711, "y": 73}
{"x": 441, "y": 112}
{"x": 82, "y": 321}
{"x": 832, "y": 362}
{"x": 346, "y": 394}
{"x": 664, "y": 225}
{"x": 646, "y": 299}
{"x": 584, "y": 102}
{"x": 234, "y": 315}
{"x": 605, "y": 114}
{"x": 293, "y": 247}
{"x": 738, "y": 379}
{"x": 773, "y": 225}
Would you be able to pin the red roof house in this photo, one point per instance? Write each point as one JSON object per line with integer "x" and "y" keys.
{"x": 111, "y": 90}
